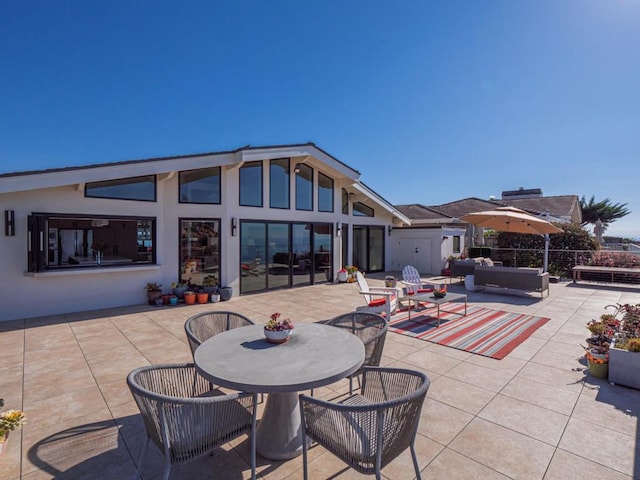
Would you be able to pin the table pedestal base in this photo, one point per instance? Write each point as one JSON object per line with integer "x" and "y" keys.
{"x": 279, "y": 432}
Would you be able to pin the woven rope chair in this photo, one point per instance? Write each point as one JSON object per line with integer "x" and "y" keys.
{"x": 371, "y": 328}
{"x": 369, "y": 430}
{"x": 205, "y": 325}
{"x": 184, "y": 418}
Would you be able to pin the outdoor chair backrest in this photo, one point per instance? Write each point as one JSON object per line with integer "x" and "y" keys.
{"x": 184, "y": 418}
{"x": 205, "y": 325}
{"x": 369, "y": 430}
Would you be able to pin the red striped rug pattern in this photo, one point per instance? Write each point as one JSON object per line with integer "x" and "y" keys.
{"x": 483, "y": 331}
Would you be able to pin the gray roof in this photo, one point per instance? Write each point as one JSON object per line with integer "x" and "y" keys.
{"x": 175, "y": 157}
{"x": 561, "y": 206}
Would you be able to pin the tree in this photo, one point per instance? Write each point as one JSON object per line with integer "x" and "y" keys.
{"x": 604, "y": 210}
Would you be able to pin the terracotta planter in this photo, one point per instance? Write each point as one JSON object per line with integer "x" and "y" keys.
{"x": 166, "y": 298}
{"x": 202, "y": 297}
{"x": 190, "y": 298}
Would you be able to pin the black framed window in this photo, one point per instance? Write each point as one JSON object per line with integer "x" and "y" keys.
{"x": 304, "y": 188}
{"x": 251, "y": 184}
{"x": 345, "y": 202}
{"x": 325, "y": 193}
{"x": 134, "y": 188}
{"x": 199, "y": 250}
{"x": 200, "y": 186}
{"x": 58, "y": 241}
{"x": 279, "y": 196}
{"x": 456, "y": 244}
{"x": 362, "y": 210}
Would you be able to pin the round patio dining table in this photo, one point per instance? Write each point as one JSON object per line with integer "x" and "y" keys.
{"x": 314, "y": 355}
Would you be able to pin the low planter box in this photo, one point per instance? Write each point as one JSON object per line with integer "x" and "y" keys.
{"x": 624, "y": 367}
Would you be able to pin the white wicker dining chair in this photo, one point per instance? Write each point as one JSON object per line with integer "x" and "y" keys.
{"x": 184, "y": 418}
{"x": 369, "y": 430}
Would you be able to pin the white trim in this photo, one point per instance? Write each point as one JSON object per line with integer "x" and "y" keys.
{"x": 91, "y": 271}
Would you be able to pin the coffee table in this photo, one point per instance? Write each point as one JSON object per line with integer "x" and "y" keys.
{"x": 430, "y": 298}
{"x": 315, "y": 355}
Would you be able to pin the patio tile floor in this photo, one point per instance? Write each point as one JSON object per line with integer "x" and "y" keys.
{"x": 535, "y": 414}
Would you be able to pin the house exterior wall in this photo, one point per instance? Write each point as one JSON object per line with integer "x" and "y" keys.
{"x": 440, "y": 250}
{"x": 80, "y": 289}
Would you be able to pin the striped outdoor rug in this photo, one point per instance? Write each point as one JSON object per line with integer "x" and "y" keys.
{"x": 487, "y": 332}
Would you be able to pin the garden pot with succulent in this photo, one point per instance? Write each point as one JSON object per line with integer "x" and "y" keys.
{"x": 624, "y": 353}
{"x": 154, "y": 291}
{"x": 9, "y": 421}
{"x": 276, "y": 330}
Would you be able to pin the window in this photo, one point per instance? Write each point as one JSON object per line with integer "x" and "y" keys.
{"x": 76, "y": 241}
{"x": 279, "y": 183}
{"x": 304, "y": 188}
{"x": 325, "y": 193}
{"x": 251, "y": 184}
{"x": 200, "y": 186}
{"x": 199, "y": 250}
{"x": 345, "y": 202}
{"x": 456, "y": 244}
{"x": 135, "y": 188}
{"x": 361, "y": 210}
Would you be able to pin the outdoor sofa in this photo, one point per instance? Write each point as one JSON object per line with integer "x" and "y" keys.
{"x": 526, "y": 279}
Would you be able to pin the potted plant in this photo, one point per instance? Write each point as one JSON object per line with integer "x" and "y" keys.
{"x": 179, "y": 288}
{"x": 173, "y": 300}
{"x": 351, "y": 273}
{"x": 154, "y": 291}
{"x": 210, "y": 284}
{"x": 624, "y": 353}
{"x": 226, "y": 293}
{"x": 342, "y": 275}
{"x": 202, "y": 296}
{"x": 189, "y": 297}
{"x": 390, "y": 281}
{"x": 9, "y": 421}
{"x": 276, "y": 330}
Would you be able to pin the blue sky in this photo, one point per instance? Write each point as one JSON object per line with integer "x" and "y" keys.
{"x": 431, "y": 101}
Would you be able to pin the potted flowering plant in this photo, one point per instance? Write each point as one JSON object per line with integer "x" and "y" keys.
{"x": 9, "y": 421}
{"x": 624, "y": 354}
{"x": 440, "y": 292}
{"x": 342, "y": 275}
{"x": 276, "y": 330}
{"x": 351, "y": 273}
{"x": 154, "y": 291}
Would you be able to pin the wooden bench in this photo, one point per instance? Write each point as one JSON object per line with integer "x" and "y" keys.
{"x": 624, "y": 275}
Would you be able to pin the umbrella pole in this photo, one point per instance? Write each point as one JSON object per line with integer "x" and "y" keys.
{"x": 546, "y": 253}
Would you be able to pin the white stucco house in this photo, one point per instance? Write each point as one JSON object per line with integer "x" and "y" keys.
{"x": 255, "y": 218}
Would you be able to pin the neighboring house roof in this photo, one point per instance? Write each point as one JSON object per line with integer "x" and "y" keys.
{"x": 561, "y": 208}
{"x": 79, "y": 175}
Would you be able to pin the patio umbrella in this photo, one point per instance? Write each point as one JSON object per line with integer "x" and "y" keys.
{"x": 511, "y": 219}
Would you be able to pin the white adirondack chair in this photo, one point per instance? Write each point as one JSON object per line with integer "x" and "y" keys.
{"x": 378, "y": 299}
{"x": 413, "y": 282}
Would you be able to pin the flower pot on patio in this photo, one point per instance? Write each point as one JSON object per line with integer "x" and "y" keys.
{"x": 203, "y": 297}
{"x": 598, "y": 370}
{"x": 226, "y": 293}
{"x": 624, "y": 367}
{"x": 189, "y": 298}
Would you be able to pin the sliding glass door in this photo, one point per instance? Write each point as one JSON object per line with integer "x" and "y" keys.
{"x": 284, "y": 254}
{"x": 368, "y": 248}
